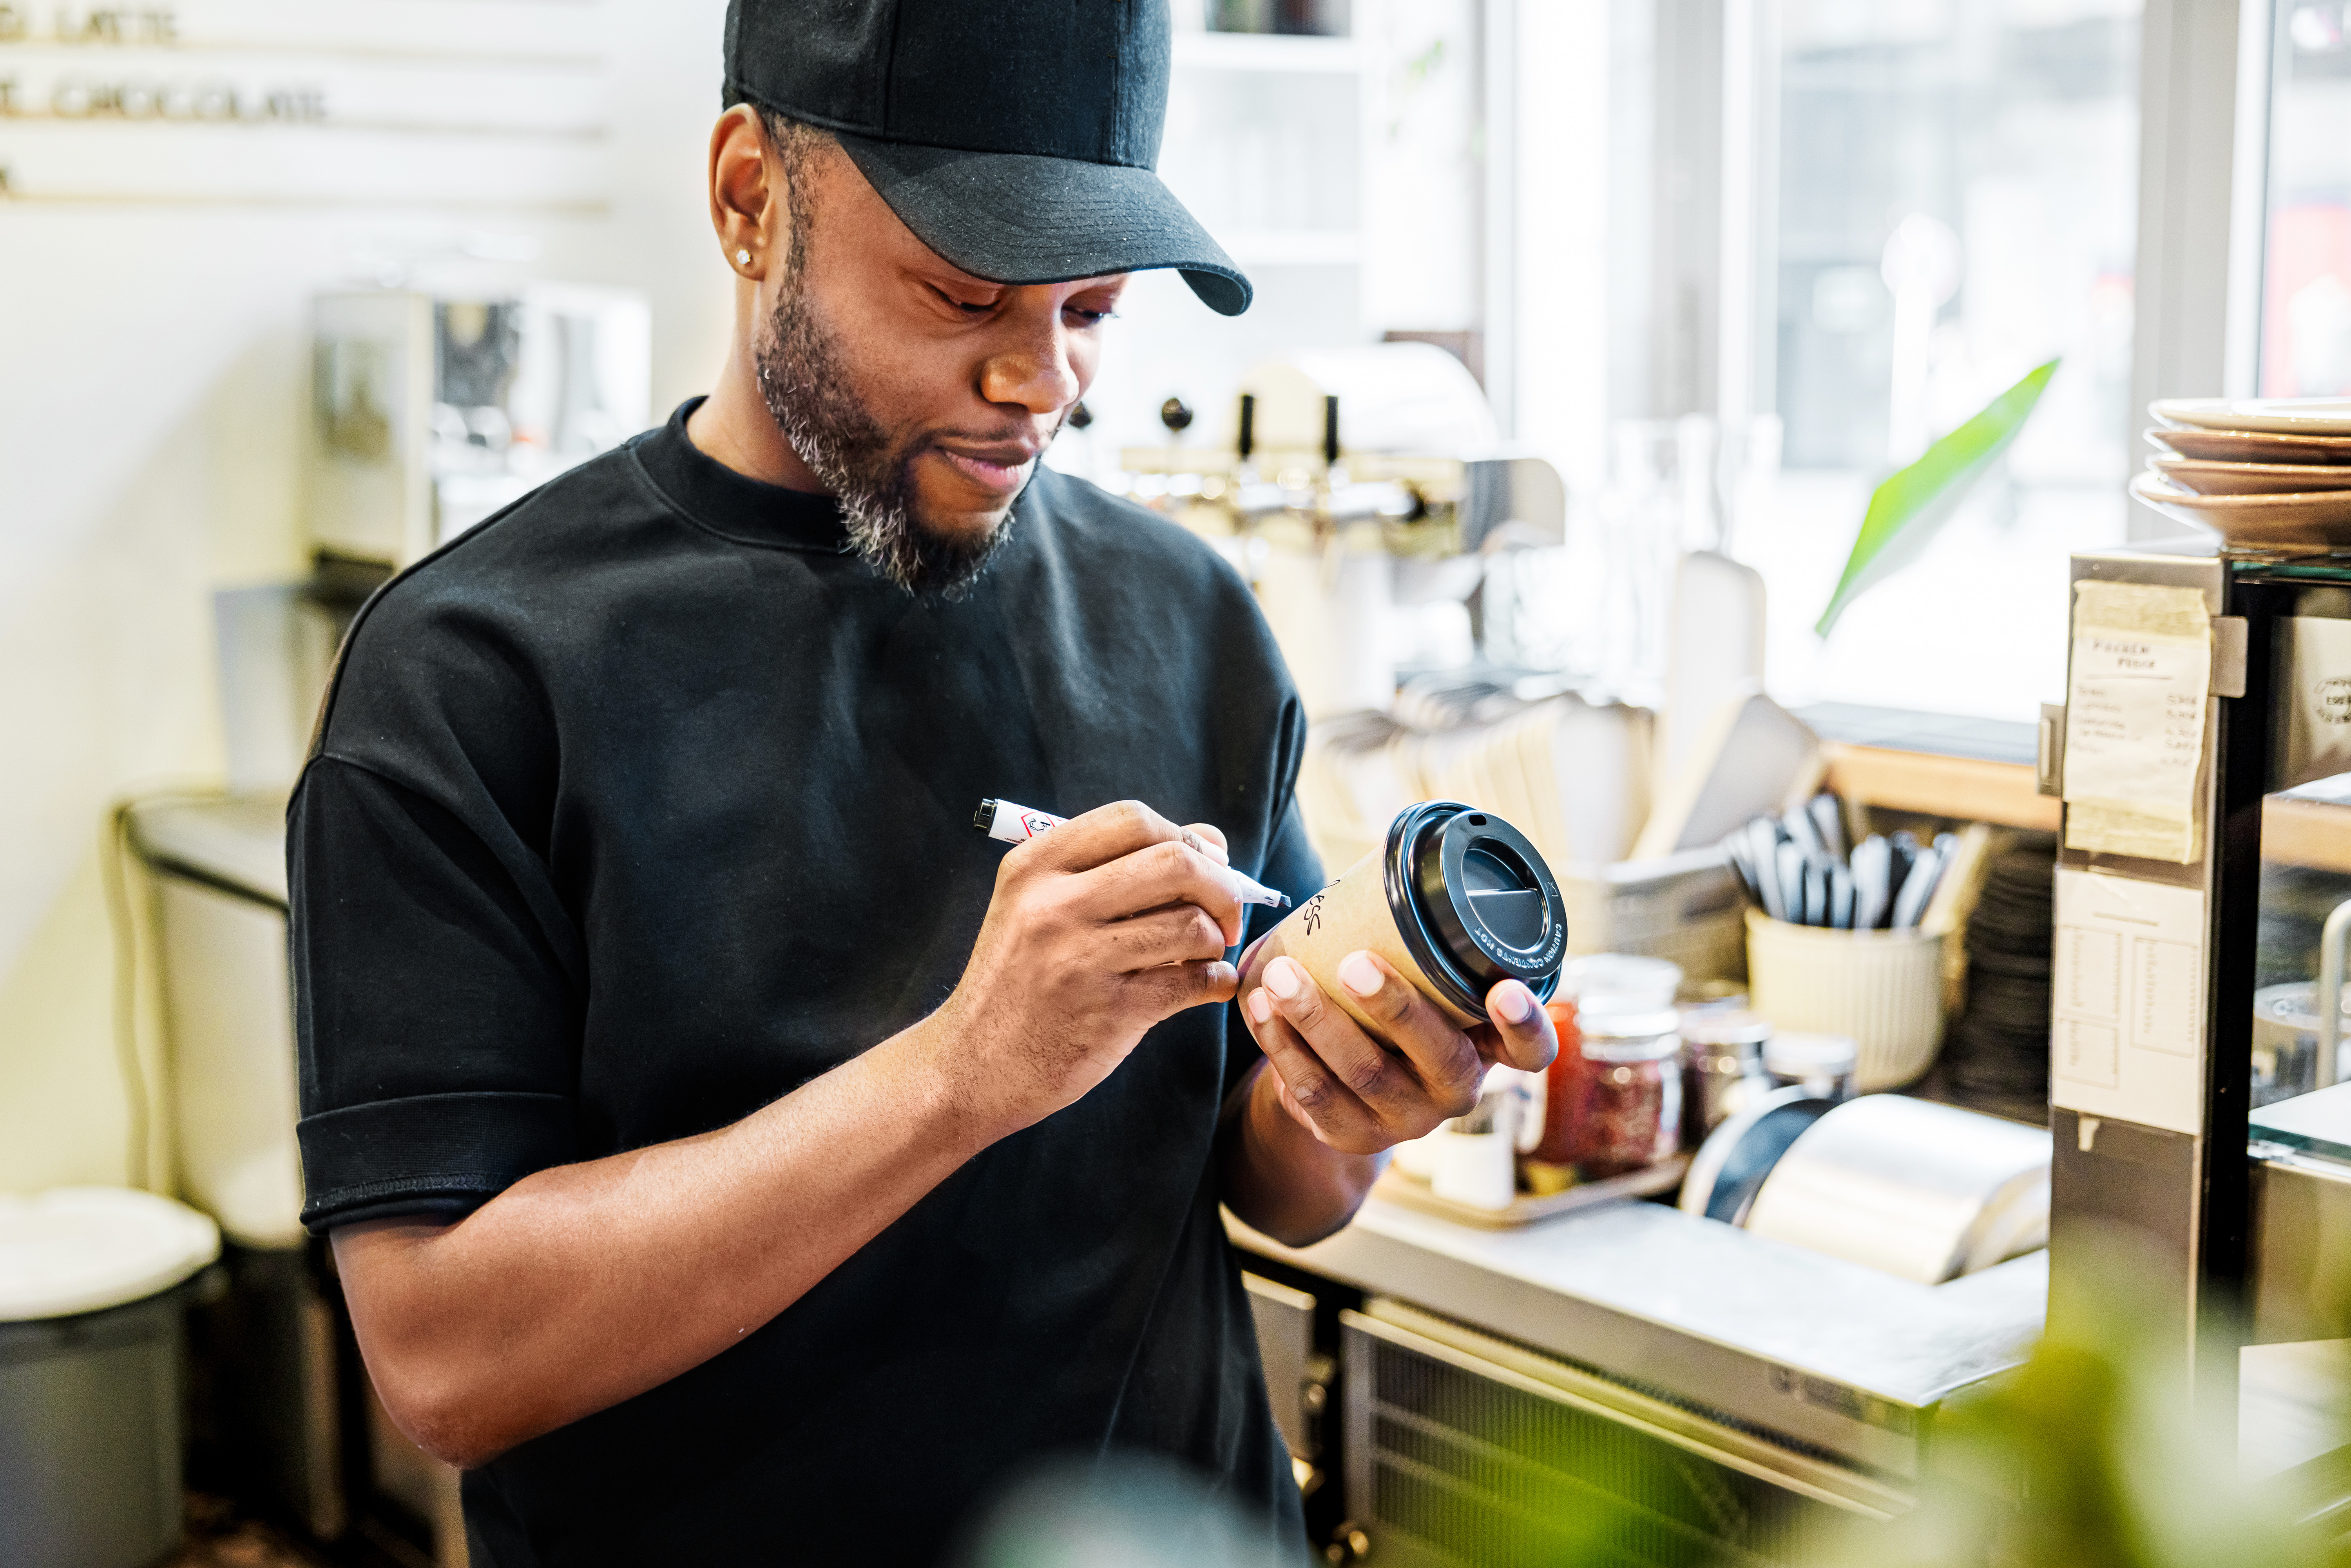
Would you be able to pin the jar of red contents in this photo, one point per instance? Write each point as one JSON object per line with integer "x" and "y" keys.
{"x": 1630, "y": 1114}
{"x": 1563, "y": 1091}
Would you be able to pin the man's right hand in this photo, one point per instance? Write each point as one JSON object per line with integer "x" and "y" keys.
{"x": 1098, "y": 929}
{"x": 586, "y": 1284}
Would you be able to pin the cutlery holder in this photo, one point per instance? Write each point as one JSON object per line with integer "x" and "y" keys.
{"x": 1882, "y": 989}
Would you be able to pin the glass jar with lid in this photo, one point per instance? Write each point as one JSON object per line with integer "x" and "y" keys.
{"x": 1722, "y": 1067}
{"x": 1619, "y": 982}
{"x": 1822, "y": 1063}
{"x": 1629, "y": 1104}
{"x": 1562, "y": 1099}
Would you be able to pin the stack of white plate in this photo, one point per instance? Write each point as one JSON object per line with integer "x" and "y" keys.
{"x": 2271, "y": 474}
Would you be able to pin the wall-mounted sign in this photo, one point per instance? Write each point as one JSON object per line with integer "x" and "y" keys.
{"x": 492, "y": 104}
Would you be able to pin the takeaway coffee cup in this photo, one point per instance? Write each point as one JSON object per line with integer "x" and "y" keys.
{"x": 1457, "y": 900}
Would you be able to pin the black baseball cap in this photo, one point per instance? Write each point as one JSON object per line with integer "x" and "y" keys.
{"x": 1019, "y": 138}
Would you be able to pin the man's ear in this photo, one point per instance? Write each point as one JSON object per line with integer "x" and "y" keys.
{"x": 749, "y": 209}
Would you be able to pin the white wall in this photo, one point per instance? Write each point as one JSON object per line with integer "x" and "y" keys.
{"x": 154, "y": 386}
{"x": 1568, "y": 96}
{"x": 1349, "y": 197}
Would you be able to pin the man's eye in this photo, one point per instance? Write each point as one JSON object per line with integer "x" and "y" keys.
{"x": 1089, "y": 318}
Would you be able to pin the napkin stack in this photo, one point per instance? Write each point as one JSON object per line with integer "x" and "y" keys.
{"x": 1572, "y": 776}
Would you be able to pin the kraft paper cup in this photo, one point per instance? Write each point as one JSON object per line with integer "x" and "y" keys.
{"x": 1350, "y": 915}
{"x": 1882, "y": 989}
{"x": 1457, "y": 900}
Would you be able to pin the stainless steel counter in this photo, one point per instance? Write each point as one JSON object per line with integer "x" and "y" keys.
{"x": 236, "y": 843}
{"x": 1837, "y": 1356}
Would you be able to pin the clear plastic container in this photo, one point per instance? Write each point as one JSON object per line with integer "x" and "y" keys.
{"x": 2285, "y": 1041}
{"x": 1628, "y": 1113}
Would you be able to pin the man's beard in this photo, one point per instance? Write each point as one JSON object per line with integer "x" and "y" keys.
{"x": 806, "y": 389}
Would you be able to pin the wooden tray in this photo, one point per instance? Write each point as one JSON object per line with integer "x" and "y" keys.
{"x": 1413, "y": 1193}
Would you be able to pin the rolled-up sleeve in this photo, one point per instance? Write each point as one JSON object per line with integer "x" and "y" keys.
{"x": 437, "y": 1023}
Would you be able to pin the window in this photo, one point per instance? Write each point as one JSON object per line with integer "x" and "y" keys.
{"x": 1956, "y": 202}
{"x": 2305, "y": 348}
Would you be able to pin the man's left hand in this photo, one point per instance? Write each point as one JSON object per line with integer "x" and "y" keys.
{"x": 1358, "y": 1094}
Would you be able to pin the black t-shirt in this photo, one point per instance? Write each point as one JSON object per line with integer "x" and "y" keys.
{"x": 647, "y": 801}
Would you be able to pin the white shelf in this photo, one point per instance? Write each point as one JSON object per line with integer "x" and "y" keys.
{"x": 1289, "y": 52}
{"x": 1292, "y": 247}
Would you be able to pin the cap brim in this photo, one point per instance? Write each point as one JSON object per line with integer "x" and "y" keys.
{"x": 1014, "y": 217}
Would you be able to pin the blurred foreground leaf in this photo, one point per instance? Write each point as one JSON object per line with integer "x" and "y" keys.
{"x": 1907, "y": 510}
{"x": 2092, "y": 1456}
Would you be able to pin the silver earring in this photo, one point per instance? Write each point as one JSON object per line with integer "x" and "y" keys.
{"x": 742, "y": 259}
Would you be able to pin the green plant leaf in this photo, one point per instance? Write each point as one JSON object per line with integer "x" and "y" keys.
{"x": 1914, "y": 503}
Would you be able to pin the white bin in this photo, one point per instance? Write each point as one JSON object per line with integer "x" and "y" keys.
{"x": 1884, "y": 990}
{"x": 91, "y": 1373}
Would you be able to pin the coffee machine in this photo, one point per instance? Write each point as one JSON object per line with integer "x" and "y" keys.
{"x": 431, "y": 411}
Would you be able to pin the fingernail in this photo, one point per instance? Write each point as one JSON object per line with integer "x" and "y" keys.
{"x": 1359, "y": 975}
{"x": 1284, "y": 979}
{"x": 1514, "y": 1001}
{"x": 1261, "y": 1005}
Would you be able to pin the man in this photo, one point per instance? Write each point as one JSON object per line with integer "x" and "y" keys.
{"x": 730, "y": 1156}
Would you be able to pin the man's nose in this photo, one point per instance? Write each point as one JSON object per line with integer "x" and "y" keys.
{"x": 1032, "y": 366}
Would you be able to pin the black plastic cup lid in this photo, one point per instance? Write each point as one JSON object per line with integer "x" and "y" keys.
{"x": 1475, "y": 903}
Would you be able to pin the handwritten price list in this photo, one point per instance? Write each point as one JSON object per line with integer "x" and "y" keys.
{"x": 2135, "y": 718}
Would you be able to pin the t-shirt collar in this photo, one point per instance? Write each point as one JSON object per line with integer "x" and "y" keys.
{"x": 732, "y": 504}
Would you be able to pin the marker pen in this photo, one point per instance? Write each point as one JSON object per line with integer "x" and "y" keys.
{"x": 1017, "y": 824}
